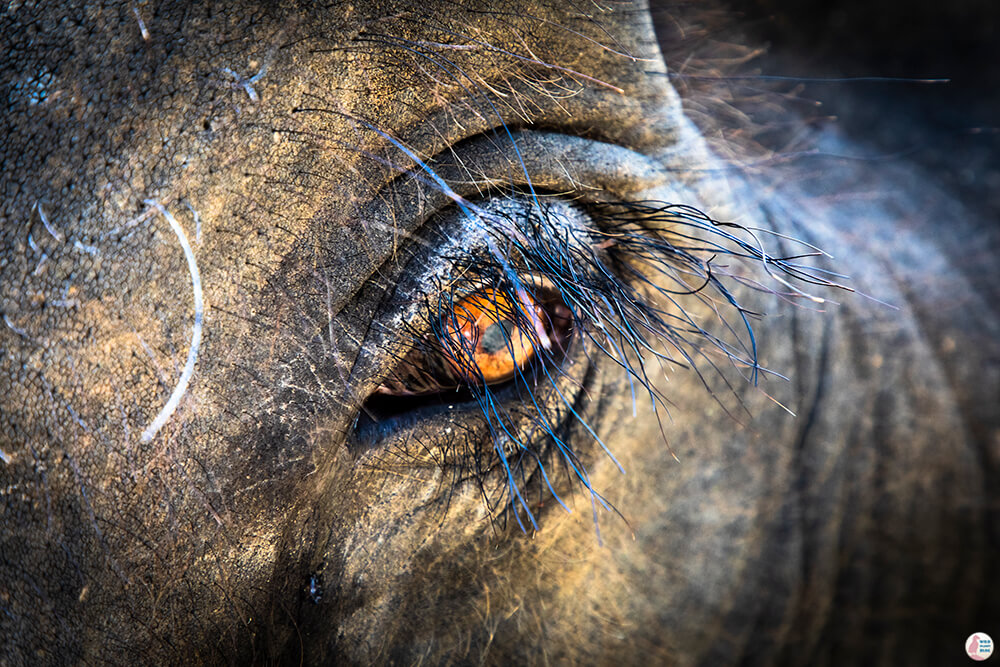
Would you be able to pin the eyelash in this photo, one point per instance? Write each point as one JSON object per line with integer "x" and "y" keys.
{"x": 609, "y": 274}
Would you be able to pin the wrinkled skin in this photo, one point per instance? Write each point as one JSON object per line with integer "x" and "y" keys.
{"x": 253, "y": 526}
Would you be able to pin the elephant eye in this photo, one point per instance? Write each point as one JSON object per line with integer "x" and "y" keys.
{"x": 485, "y": 338}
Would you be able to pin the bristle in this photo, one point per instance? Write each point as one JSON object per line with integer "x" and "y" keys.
{"x": 624, "y": 272}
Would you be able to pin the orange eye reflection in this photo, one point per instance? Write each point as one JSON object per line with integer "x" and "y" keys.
{"x": 491, "y": 336}
{"x": 485, "y": 339}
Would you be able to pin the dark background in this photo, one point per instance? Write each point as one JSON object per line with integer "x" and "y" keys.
{"x": 953, "y": 129}
{"x": 913, "y": 38}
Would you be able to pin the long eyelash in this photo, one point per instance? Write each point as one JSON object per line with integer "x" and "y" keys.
{"x": 625, "y": 281}
{"x": 622, "y": 278}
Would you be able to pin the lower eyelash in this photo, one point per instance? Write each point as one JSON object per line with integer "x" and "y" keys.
{"x": 623, "y": 277}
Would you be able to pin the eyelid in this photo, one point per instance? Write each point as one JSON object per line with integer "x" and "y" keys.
{"x": 583, "y": 169}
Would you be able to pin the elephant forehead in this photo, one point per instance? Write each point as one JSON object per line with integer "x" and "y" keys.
{"x": 257, "y": 130}
{"x": 116, "y": 108}
{"x": 236, "y": 117}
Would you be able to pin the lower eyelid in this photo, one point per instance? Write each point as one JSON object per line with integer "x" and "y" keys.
{"x": 558, "y": 162}
{"x": 454, "y": 430}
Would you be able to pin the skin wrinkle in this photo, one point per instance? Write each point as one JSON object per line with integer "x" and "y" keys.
{"x": 203, "y": 544}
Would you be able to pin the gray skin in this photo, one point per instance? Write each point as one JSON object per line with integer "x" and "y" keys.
{"x": 254, "y": 526}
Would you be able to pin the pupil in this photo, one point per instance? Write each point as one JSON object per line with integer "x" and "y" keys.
{"x": 496, "y": 336}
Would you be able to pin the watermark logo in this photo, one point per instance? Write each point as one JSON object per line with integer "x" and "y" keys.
{"x": 979, "y": 646}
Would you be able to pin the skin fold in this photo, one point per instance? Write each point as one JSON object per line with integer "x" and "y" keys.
{"x": 236, "y": 205}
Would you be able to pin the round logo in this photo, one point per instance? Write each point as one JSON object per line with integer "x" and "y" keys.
{"x": 979, "y": 646}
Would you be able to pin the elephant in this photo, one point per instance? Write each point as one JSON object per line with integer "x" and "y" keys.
{"x": 462, "y": 332}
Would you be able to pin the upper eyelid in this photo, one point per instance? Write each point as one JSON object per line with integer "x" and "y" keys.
{"x": 404, "y": 205}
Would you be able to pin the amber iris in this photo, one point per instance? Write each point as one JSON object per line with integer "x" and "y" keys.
{"x": 491, "y": 336}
